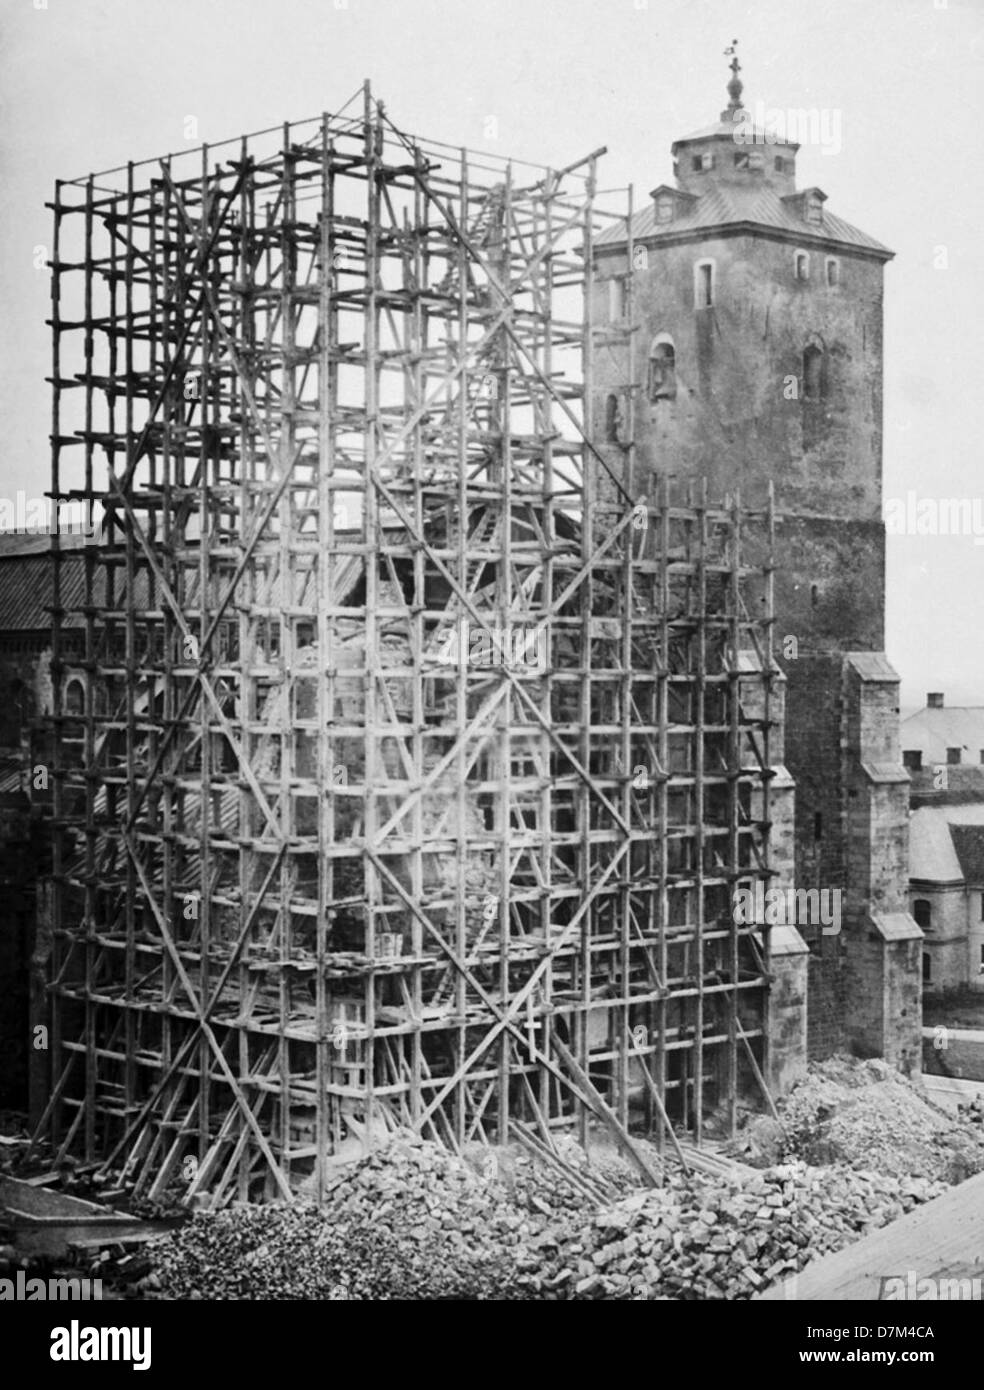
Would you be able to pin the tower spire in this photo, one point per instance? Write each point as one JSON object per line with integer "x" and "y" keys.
{"x": 735, "y": 86}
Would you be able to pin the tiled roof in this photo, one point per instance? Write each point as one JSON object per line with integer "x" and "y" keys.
{"x": 723, "y": 205}
{"x": 933, "y": 731}
{"x": 931, "y": 853}
{"x": 933, "y": 842}
{"x": 968, "y": 841}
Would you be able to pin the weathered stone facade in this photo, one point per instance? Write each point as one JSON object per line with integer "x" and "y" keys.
{"x": 748, "y": 352}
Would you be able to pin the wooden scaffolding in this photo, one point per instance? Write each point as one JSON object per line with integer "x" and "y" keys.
{"x": 421, "y": 749}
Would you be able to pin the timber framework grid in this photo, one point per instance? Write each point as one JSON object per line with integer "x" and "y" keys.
{"x": 418, "y": 745}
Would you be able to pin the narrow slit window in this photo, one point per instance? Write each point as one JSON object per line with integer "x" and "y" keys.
{"x": 613, "y": 419}
{"x": 813, "y": 374}
{"x": 705, "y": 285}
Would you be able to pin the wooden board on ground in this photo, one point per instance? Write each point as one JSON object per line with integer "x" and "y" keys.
{"x": 942, "y": 1239}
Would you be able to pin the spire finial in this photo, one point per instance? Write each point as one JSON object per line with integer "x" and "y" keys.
{"x": 735, "y": 86}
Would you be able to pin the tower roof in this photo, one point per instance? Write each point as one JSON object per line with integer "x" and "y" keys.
{"x": 727, "y": 208}
{"x": 742, "y": 180}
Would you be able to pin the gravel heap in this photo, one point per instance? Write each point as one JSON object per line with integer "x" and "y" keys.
{"x": 410, "y": 1221}
{"x": 867, "y": 1116}
{"x": 413, "y": 1222}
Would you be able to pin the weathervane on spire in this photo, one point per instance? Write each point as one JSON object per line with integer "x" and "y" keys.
{"x": 735, "y": 86}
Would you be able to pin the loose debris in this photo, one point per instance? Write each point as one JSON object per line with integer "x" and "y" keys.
{"x": 859, "y": 1146}
{"x": 865, "y": 1115}
{"x": 412, "y": 1222}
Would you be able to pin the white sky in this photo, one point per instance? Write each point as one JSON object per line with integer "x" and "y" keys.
{"x": 89, "y": 84}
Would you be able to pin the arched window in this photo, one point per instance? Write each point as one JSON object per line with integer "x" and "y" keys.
{"x": 801, "y": 264}
{"x": 662, "y": 369}
{"x": 922, "y": 910}
{"x": 833, "y": 271}
{"x": 74, "y": 697}
{"x": 814, "y": 376}
{"x": 927, "y": 969}
{"x": 613, "y": 420}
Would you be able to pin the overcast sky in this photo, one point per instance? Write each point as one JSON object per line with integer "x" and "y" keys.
{"x": 89, "y": 84}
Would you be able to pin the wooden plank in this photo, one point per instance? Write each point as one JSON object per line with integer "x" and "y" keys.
{"x": 942, "y": 1235}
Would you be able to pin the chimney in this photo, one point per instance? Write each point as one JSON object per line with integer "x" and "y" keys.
{"x": 934, "y": 700}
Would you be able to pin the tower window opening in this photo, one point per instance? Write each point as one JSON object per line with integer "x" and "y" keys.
{"x": 813, "y": 374}
{"x": 927, "y": 969}
{"x": 922, "y": 911}
{"x": 704, "y": 284}
{"x": 707, "y": 160}
{"x": 662, "y": 370}
{"x": 697, "y": 163}
{"x": 613, "y": 420}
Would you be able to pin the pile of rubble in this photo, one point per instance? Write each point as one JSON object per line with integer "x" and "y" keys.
{"x": 855, "y": 1147}
{"x": 699, "y": 1237}
{"x": 413, "y": 1222}
{"x": 410, "y": 1221}
{"x": 865, "y": 1115}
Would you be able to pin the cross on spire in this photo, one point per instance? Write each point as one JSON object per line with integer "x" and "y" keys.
{"x": 735, "y": 86}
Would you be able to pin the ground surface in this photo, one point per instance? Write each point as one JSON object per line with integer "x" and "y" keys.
{"x": 856, "y": 1148}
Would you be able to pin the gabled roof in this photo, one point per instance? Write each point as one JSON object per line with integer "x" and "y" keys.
{"x": 731, "y": 205}
{"x": 945, "y": 842}
{"x": 968, "y": 841}
{"x": 933, "y": 731}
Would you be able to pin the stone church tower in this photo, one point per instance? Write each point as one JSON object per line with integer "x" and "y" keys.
{"x": 746, "y": 348}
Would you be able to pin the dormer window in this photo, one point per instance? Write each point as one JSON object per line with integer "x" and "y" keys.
{"x": 741, "y": 160}
{"x": 814, "y": 209}
{"x": 833, "y": 271}
{"x": 756, "y": 160}
{"x": 669, "y": 203}
{"x": 697, "y": 163}
{"x": 801, "y": 264}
